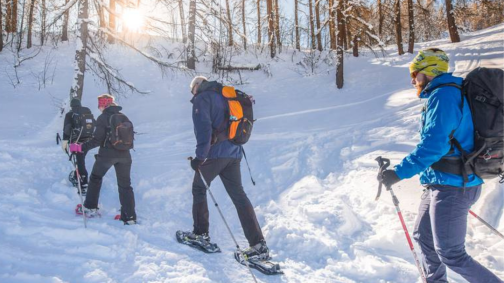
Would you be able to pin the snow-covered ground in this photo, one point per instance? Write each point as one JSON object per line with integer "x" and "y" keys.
{"x": 312, "y": 155}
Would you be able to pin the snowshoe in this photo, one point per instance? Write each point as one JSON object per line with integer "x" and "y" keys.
{"x": 90, "y": 213}
{"x": 73, "y": 179}
{"x": 128, "y": 222}
{"x": 257, "y": 257}
{"x": 83, "y": 190}
{"x": 199, "y": 242}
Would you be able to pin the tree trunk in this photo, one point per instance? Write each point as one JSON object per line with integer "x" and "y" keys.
{"x": 259, "y": 35}
{"x": 244, "y": 23}
{"x": 30, "y": 24}
{"x": 332, "y": 26}
{"x": 8, "y": 15}
{"x": 191, "y": 60}
{"x": 64, "y": 31}
{"x": 230, "y": 24}
{"x": 277, "y": 26}
{"x": 452, "y": 26}
{"x": 317, "y": 19}
{"x": 182, "y": 21}
{"x": 411, "y": 21}
{"x": 271, "y": 28}
{"x": 80, "y": 53}
{"x": 20, "y": 32}
{"x": 296, "y": 22}
{"x": 1, "y": 25}
{"x": 380, "y": 19}
{"x": 355, "y": 47}
{"x": 398, "y": 28}
{"x": 312, "y": 27}
{"x": 43, "y": 22}
{"x": 112, "y": 20}
{"x": 339, "y": 48}
{"x": 14, "y": 16}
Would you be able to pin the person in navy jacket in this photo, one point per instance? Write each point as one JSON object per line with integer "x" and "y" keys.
{"x": 441, "y": 225}
{"x": 219, "y": 157}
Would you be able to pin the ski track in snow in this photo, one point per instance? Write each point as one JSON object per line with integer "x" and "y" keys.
{"x": 312, "y": 155}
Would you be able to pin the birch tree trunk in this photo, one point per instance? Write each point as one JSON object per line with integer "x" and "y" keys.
{"x": 182, "y": 21}
{"x": 230, "y": 24}
{"x": 30, "y": 24}
{"x": 277, "y": 27}
{"x": 312, "y": 27}
{"x": 296, "y": 23}
{"x": 332, "y": 25}
{"x": 452, "y": 26}
{"x": 271, "y": 28}
{"x": 244, "y": 23}
{"x": 339, "y": 48}
{"x": 259, "y": 35}
{"x": 43, "y": 22}
{"x": 380, "y": 19}
{"x": 80, "y": 52}
{"x": 191, "y": 60}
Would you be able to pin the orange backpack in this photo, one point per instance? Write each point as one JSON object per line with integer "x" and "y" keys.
{"x": 240, "y": 116}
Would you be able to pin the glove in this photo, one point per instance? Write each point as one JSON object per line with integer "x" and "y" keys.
{"x": 64, "y": 145}
{"x": 75, "y": 147}
{"x": 388, "y": 178}
{"x": 195, "y": 164}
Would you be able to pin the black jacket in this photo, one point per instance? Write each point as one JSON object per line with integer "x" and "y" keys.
{"x": 100, "y": 136}
{"x": 68, "y": 125}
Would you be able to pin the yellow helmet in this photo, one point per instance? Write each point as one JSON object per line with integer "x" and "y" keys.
{"x": 431, "y": 62}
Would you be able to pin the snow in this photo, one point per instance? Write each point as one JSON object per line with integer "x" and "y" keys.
{"x": 312, "y": 155}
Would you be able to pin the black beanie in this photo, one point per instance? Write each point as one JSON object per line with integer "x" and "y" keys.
{"x": 75, "y": 103}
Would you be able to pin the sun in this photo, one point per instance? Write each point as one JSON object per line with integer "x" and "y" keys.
{"x": 133, "y": 19}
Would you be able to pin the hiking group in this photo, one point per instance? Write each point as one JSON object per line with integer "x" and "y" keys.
{"x": 461, "y": 142}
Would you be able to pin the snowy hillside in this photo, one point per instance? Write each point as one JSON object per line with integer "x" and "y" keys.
{"x": 312, "y": 155}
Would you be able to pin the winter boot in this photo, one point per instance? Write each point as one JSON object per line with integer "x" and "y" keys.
{"x": 83, "y": 189}
{"x": 90, "y": 212}
{"x": 198, "y": 241}
{"x": 259, "y": 251}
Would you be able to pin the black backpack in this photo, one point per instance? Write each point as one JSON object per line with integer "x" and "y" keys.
{"x": 82, "y": 119}
{"x": 121, "y": 133}
{"x": 484, "y": 91}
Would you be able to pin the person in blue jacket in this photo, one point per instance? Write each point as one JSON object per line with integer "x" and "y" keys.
{"x": 441, "y": 225}
{"x": 217, "y": 156}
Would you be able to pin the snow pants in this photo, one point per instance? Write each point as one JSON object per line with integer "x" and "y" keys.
{"x": 81, "y": 165}
{"x": 122, "y": 167}
{"x": 440, "y": 231}
{"x": 228, "y": 170}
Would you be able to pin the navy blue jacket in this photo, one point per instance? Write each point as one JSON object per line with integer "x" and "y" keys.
{"x": 210, "y": 108}
{"x": 442, "y": 115}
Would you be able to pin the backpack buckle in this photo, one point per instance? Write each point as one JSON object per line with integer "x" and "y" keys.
{"x": 487, "y": 155}
{"x": 480, "y": 98}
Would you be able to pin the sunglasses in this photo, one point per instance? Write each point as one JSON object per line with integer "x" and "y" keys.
{"x": 415, "y": 73}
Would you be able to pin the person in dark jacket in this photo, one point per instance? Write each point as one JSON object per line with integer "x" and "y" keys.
{"x": 72, "y": 134}
{"x": 441, "y": 224}
{"x": 107, "y": 157}
{"x": 219, "y": 158}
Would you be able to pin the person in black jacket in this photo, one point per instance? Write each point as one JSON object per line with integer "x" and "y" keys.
{"x": 72, "y": 134}
{"x": 107, "y": 157}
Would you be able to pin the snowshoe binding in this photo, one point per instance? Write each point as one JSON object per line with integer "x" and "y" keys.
{"x": 199, "y": 242}
{"x": 90, "y": 213}
{"x": 258, "y": 257}
{"x": 73, "y": 178}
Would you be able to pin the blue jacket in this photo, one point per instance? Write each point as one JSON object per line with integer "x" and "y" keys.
{"x": 209, "y": 116}
{"x": 442, "y": 115}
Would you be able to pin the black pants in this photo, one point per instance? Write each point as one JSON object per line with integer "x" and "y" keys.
{"x": 229, "y": 172}
{"x": 81, "y": 165}
{"x": 126, "y": 197}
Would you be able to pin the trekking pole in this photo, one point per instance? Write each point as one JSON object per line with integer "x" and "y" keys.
{"x": 225, "y": 222}
{"x": 73, "y": 158}
{"x": 487, "y": 224}
{"x": 384, "y": 163}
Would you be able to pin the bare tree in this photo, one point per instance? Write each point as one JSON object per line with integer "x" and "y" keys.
{"x": 64, "y": 29}
{"x": 411, "y": 22}
{"x": 30, "y": 24}
{"x": 339, "y": 48}
{"x": 380, "y": 18}
{"x": 452, "y": 26}
{"x": 271, "y": 28}
{"x": 296, "y": 24}
{"x": 244, "y": 23}
{"x": 191, "y": 60}
{"x": 277, "y": 26}
{"x": 43, "y": 21}
{"x": 80, "y": 52}
{"x": 1, "y": 26}
{"x": 312, "y": 27}
{"x": 182, "y": 21}
{"x": 112, "y": 19}
{"x": 317, "y": 20}
{"x": 398, "y": 28}
{"x": 259, "y": 26}
{"x": 230, "y": 24}
{"x": 332, "y": 25}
